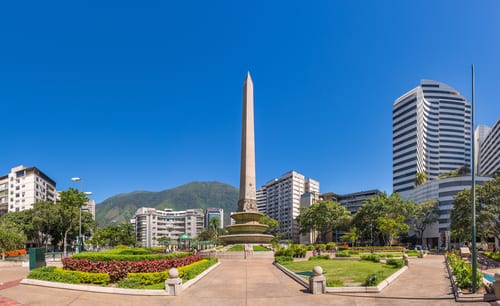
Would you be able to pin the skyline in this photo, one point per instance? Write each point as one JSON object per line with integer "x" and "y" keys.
{"x": 148, "y": 97}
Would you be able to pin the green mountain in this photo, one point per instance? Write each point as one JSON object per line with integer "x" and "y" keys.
{"x": 122, "y": 207}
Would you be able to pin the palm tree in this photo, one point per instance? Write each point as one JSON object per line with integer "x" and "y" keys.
{"x": 420, "y": 178}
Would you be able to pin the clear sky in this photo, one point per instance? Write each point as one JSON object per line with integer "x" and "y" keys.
{"x": 146, "y": 95}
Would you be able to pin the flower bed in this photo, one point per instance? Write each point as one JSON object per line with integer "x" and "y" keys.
{"x": 118, "y": 269}
{"x": 462, "y": 272}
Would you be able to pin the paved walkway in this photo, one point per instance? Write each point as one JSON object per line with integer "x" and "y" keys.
{"x": 251, "y": 283}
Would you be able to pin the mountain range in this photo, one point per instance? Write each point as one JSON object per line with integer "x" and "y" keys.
{"x": 122, "y": 207}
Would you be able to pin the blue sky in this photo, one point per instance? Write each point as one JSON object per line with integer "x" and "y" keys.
{"x": 146, "y": 95}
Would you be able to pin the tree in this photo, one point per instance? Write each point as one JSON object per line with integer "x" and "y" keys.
{"x": 11, "y": 236}
{"x": 489, "y": 198}
{"x": 487, "y": 208}
{"x": 272, "y": 223}
{"x": 391, "y": 227}
{"x": 68, "y": 214}
{"x": 351, "y": 236}
{"x": 425, "y": 213}
{"x": 382, "y": 206}
{"x": 323, "y": 217}
{"x": 113, "y": 235}
{"x": 420, "y": 178}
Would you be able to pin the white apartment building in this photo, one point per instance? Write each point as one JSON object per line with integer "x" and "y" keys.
{"x": 23, "y": 187}
{"x": 261, "y": 195}
{"x": 489, "y": 152}
{"x": 431, "y": 133}
{"x": 151, "y": 224}
{"x": 283, "y": 200}
{"x": 480, "y": 134}
{"x": 443, "y": 191}
{"x": 306, "y": 200}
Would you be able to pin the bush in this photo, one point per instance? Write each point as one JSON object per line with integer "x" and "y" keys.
{"x": 282, "y": 259}
{"x": 319, "y": 257}
{"x": 116, "y": 255}
{"x": 463, "y": 272}
{"x": 493, "y": 255}
{"x": 331, "y": 246}
{"x": 191, "y": 271}
{"x": 371, "y": 257}
{"x": 397, "y": 263}
{"x": 54, "y": 274}
{"x": 352, "y": 252}
{"x": 373, "y": 279}
{"x": 343, "y": 254}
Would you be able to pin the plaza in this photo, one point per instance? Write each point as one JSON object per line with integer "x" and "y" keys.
{"x": 247, "y": 282}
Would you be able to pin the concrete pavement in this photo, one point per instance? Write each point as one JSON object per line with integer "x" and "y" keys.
{"x": 253, "y": 283}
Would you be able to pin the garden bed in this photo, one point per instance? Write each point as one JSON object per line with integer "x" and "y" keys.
{"x": 124, "y": 270}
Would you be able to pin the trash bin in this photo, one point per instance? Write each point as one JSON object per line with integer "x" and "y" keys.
{"x": 37, "y": 257}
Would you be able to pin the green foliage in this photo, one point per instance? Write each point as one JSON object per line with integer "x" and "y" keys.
{"x": 139, "y": 280}
{"x": 420, "y": 178}
{"x": 334, "y": 283}
{"x": 236, "y": 248}
{"x": 121, "y": 208}
{"x": 373, "y": 279}
{"x": 259, "y": 248}
{"x": 294, "y": 250}
{"x": 372, "y": 219}
{"x": 351, "y": 235}
{"x": 425, "y": 213}
{"x": 463, "y": 272}
{"x": 11, "y": 236}
{"x": 272, "y": 223}
{"x": 319, "y": 257}
{"x": 487, "y": 208}
{"x": 117, "y": 255}
{"x": 493, "y": 255}
{"x": 114, "y": 235}
{"x": 54, "y": 274}
{"x": 330, "y": 246}
{"x": 398, "y": 263}
{"x": 283, "y": 259}
{"x": 191, "y": 271}
{"x": 343, "y": 254}
{"x": 371, "y": 257}
{"x": 323, "y": 217}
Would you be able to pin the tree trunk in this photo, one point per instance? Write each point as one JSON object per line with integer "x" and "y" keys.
{"x": 64, "y": 244}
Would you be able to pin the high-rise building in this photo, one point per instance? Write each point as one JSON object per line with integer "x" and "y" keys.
{"x": 283, "y": 200}
{"x": 23, "y": 187}
{"x": 480, "y": 134}
{"x": 489, "y": 152}
{"x": 353, "y": 201}
{"x": 151, "y": 224}
{"x": 431, "y": 133}
{"x": 212, "y": 213}
{"x": 262, "y": 200}
{"x": 306, "y": 200}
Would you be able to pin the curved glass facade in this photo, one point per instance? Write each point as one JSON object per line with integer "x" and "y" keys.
{"x": 430, "y": 133}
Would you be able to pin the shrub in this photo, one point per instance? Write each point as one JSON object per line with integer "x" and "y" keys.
{"x": 371, "y": 257}
{"x": 191, "y": 271}
{"x": 343, "y": 254}
{"x": 319, "y": 257}
{"x": 373, "y": 279}
{"x": 282, "y": 259}
{"x": 493, "y": 255}
{"x": 334, "y": 283}
{"x": 463, "y": 272}
{"x": 397, "y": 263}
{"x": 352, "y": 252}
{"x": 115, "y": 255}
{"x": 331, "y": 246}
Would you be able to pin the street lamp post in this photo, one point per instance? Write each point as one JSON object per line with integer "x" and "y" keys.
{"x": 79, "y": 240}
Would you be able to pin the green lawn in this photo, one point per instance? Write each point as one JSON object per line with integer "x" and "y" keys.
{"x": 241, "y": 248}
{"x": 342, "y": 272}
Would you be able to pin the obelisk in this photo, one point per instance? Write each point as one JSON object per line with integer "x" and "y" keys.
{"x": 247, "y": 201}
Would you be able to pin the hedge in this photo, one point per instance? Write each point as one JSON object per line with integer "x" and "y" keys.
{"x": 112, "y": 256}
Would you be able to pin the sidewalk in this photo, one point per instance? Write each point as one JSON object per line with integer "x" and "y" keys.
{"x": 253, "y": 283}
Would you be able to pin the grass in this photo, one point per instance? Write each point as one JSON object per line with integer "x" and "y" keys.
{"x": 241, "y": 248}
{"x": 236, "y": 248}
{"x": 259, "y": 248}
{"x": 342, "y": 272}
